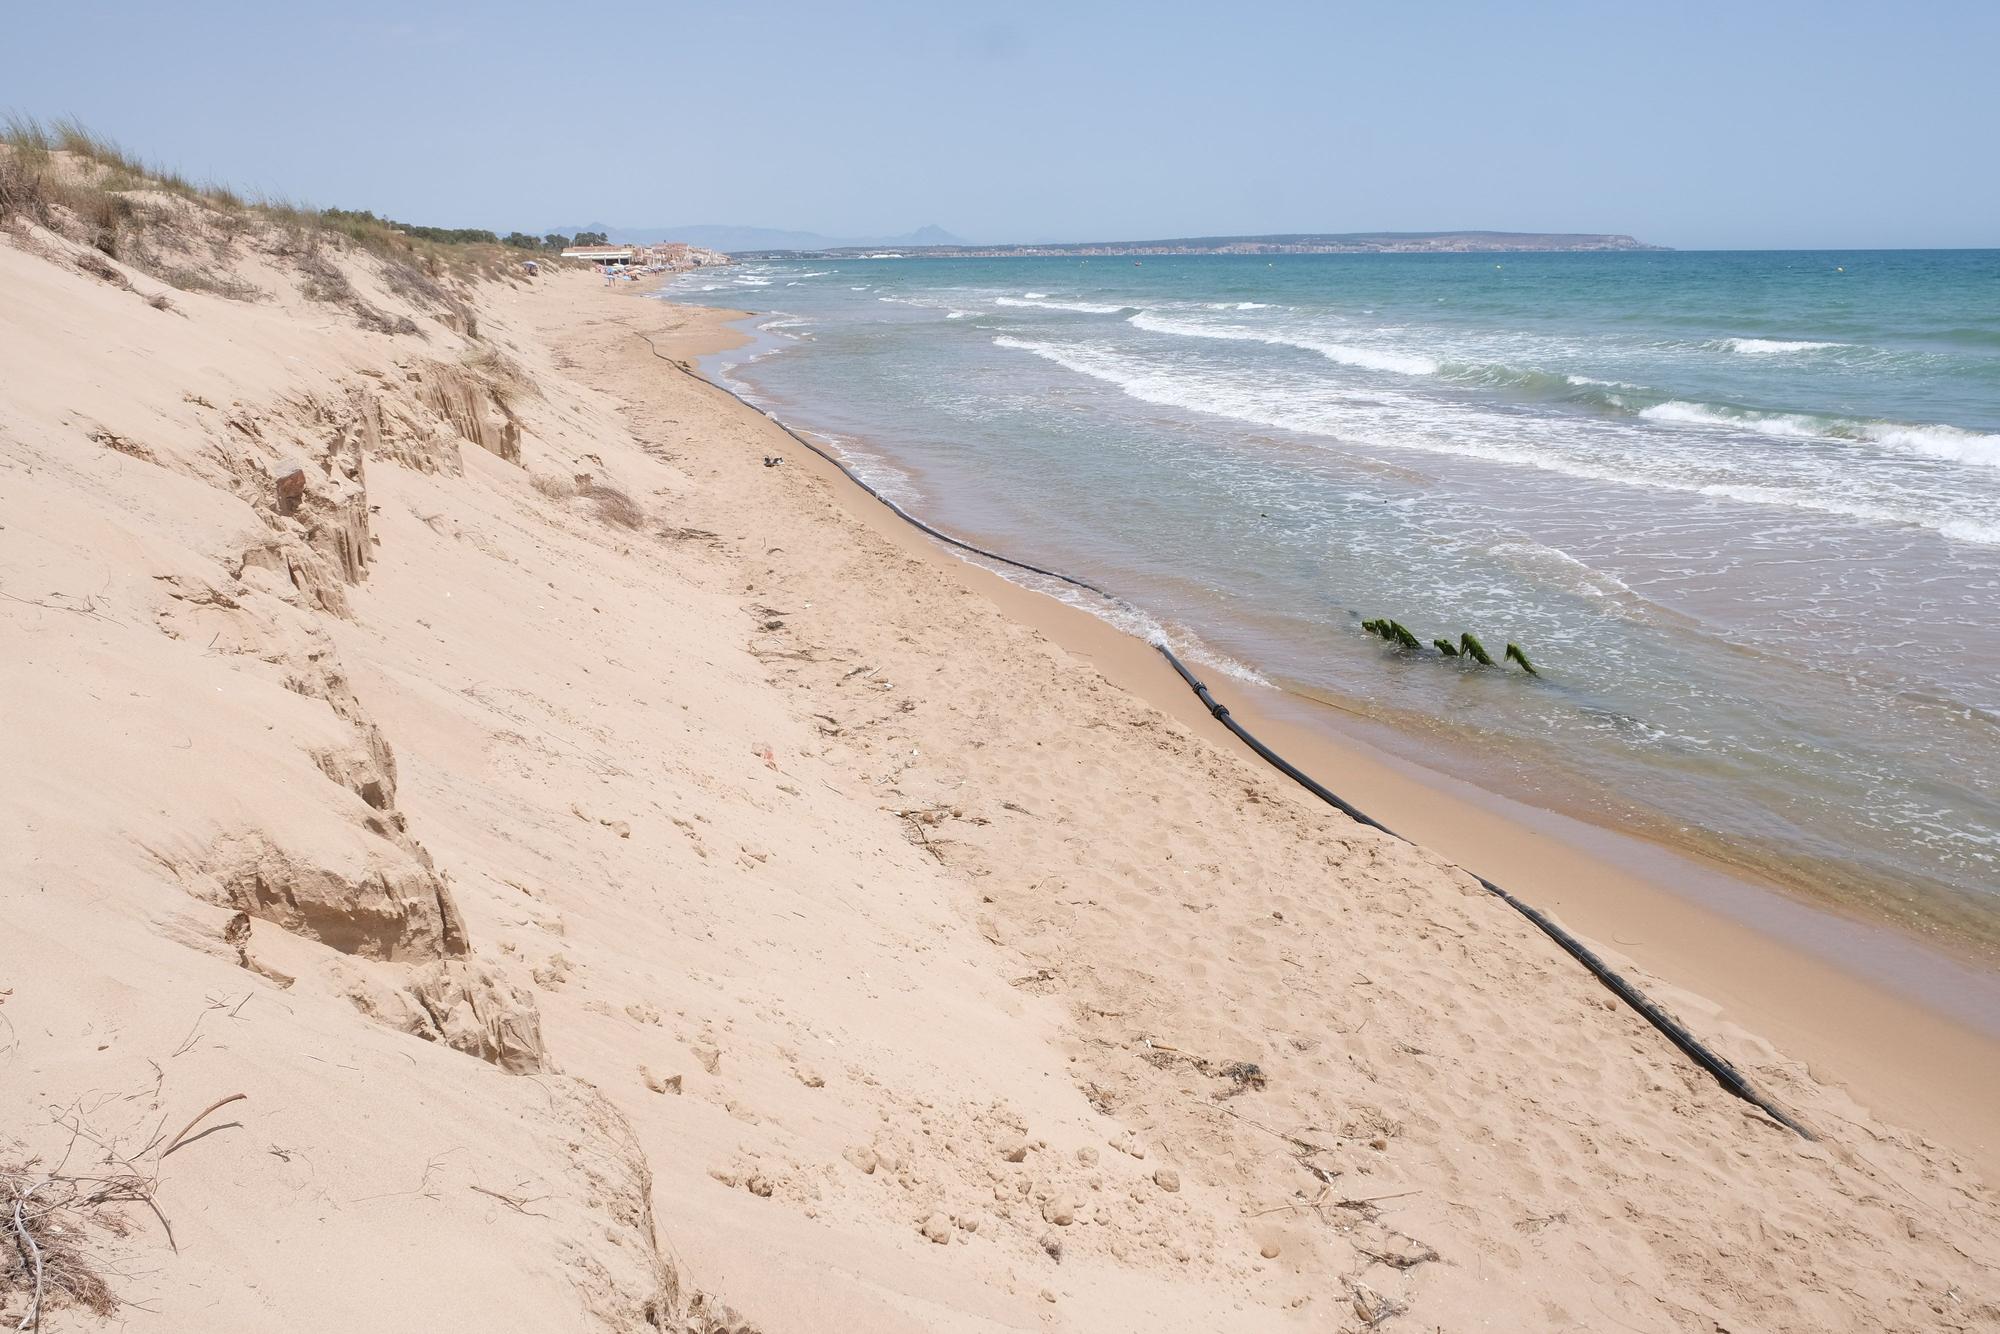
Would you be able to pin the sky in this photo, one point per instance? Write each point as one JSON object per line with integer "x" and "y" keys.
{"x": 1696, "y": 125}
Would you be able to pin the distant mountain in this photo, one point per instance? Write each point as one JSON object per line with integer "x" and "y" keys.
{"x": 732, "y": 239}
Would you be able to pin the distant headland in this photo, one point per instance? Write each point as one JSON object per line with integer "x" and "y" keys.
{"x": 1294, "y": 243}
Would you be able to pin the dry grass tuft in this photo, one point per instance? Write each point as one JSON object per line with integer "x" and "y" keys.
{"x": 97, "y": 266}
{"x": 55, "y": 1218}
{"x": 614, "y": 507}
{"x": 226, "y": 285}
{"x": 46, "y": 1219}
{"x": 503, "y": 376}
{"x": 555, "y": 488}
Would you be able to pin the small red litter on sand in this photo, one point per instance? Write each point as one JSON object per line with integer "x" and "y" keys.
{"x": 768, "y": 757}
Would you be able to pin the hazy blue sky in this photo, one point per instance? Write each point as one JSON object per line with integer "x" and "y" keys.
{"x": 1745, "y": 124}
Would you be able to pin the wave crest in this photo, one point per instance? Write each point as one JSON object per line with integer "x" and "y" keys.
{"x": 1076, "y": 307}
{"x": 1772, "y": 347}
{"x": 1365, "y": 358}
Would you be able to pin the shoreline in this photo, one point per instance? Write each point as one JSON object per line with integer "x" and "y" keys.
{"x": 1918, "y": 1043}
{"x": 1797, "y": 823}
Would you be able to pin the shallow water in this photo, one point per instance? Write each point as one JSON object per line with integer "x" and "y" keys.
{"x": 1742, "y": 510}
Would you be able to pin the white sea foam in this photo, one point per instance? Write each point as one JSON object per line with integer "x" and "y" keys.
{"x": 1939, "y": 442}
{"x": 1034, "y": 296}
{"x": 1366, "y": 358}
{"x": 1948, "y": 443}
{"x": 1561, "y": 568}
{"x": 1792, "y": 426}
{"x": 959, "y": 314}
{"x": 1220, "y": 396}
{"x": 751, "y": 280}
{"x": 818, "y": 273}
{"x": 1239, "y": 305}
{"x": 1971, "y": 530}
{"x": 1774, "y": 347}
{"x": 1076, "y": 307}
{"x": 1134, "y": 621}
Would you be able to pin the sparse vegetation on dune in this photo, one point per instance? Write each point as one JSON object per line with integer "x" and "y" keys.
{"x": 87, "y": 189}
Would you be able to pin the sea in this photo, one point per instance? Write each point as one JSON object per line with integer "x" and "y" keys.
{"x": 1741, "y": 511}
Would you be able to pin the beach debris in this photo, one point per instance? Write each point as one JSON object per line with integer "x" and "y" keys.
{"x": 1243, "y": 1074}
{"x": 771, "y": 461}
{"x": 1395, "y": 632}
{"x": 1370, "y": 1306}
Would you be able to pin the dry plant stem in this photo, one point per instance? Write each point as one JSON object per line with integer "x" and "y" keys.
{"x": 175, "y": 1142}
{"x": 33, "y": 1252}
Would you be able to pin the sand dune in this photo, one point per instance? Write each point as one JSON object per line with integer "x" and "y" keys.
{"x": 633, "y": 890}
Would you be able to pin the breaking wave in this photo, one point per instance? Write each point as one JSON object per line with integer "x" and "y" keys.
{"x": 1078, "y": 307}
{"x": 1366, "y": 358}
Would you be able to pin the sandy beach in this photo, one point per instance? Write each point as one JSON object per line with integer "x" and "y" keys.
{"x": 635, "y": 884}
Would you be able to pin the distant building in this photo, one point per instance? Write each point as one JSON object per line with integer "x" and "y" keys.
{"x": 602, "y": 254}
{"x": 665, "y": 255}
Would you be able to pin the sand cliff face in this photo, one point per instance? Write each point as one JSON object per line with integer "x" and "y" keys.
{"x": 628, "y": 885}
{"x": 205, "y": 830}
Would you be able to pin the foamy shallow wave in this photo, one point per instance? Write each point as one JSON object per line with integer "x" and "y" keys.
{"x": 1366, "y": 358}
{"x": 1239, "y": 305}
{"x": 1244, "y": 402}
{"x": 1948, "y": 443}
{"x": 1134, "y": 621}
{"x": 1773, "y": 347}
{"x": 1077, "y": 307}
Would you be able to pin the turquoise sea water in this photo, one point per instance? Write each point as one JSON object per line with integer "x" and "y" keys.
{"x": 1743, "y": 510}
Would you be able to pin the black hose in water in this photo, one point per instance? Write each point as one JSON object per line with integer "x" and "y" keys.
{"x": 1721, "y": 1070}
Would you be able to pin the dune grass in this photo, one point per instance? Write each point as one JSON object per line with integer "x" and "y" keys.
{"x": 62, "y": 175}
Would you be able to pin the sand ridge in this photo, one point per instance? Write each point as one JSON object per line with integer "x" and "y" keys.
{"x": 633, "y": 893}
